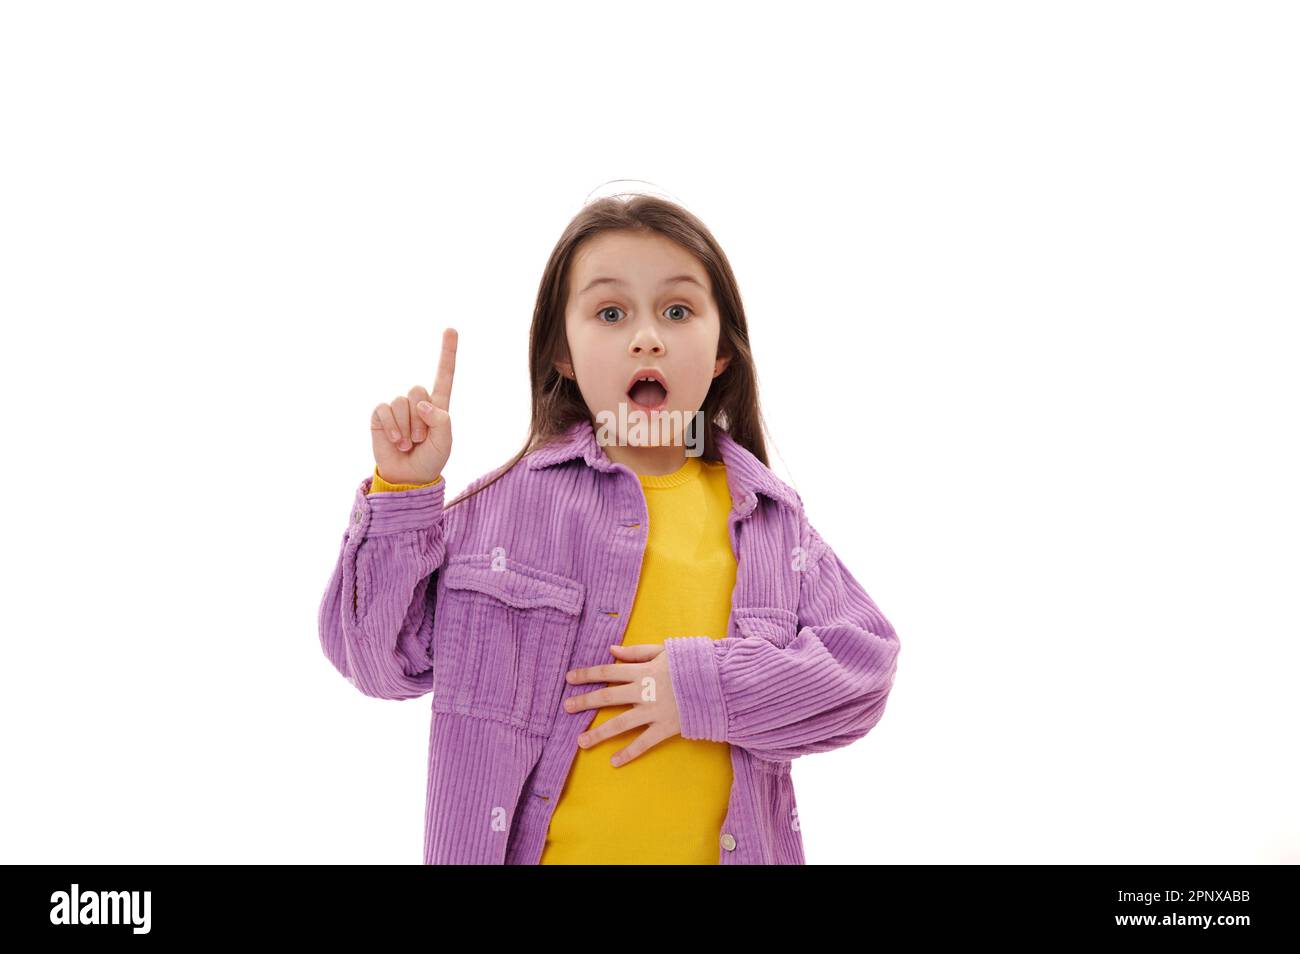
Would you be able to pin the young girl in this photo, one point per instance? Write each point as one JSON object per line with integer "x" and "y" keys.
{"x": 627, "y": 639}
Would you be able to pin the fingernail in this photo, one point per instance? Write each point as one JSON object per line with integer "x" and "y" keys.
{"x": 425, "y": 406}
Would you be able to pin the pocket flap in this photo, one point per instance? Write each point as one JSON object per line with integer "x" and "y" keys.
{"x": 523, "y": 587}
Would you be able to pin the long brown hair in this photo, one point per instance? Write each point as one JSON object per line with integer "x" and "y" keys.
{"x": 732, "y": 401}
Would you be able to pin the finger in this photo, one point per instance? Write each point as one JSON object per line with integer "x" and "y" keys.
{"x": 623, "y": 722}
{"x": 650, "y": 737}
{"x": 441, "y": 394}
{"x": 641, "y": 652}
{"x": 612, "y": 672}
{"x": 418, "y": 428}
{"x": 402, "y": 413}
{"x": 382, "y": 420}
{"x": 620, "y": 695}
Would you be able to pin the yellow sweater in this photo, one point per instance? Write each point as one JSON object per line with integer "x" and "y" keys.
{"x": 667, "y": 805}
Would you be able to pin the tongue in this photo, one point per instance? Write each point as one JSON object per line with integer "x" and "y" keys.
{"x": 647, "y": 393}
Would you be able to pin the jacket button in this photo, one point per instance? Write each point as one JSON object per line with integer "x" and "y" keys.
{"x": 728, "y": 842}
{"x": 356, "y": 516}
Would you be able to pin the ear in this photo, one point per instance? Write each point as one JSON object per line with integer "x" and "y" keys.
{"x": 565, "y": 368}
{"x": 721, "y": 365}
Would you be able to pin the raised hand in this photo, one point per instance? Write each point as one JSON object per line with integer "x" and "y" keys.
{"x": 411, "y": 436}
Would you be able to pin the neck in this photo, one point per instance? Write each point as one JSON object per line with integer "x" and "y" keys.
{"x": 647, "y": 461}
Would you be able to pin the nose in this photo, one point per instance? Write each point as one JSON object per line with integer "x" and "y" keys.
{"x": 645, "y": 341}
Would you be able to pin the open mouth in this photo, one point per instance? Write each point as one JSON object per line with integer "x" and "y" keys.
{"x": 648, "y": 391}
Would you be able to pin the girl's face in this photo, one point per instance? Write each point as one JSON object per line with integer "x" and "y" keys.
{"x": 639, "y": 301}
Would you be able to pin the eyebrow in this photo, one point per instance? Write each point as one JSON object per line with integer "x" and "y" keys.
{"x": 676, "y": 279}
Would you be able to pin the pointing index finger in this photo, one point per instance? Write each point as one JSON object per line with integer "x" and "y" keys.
{"x": 440, "y": 396}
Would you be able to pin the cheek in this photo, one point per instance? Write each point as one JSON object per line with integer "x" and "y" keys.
{"x": 701, "y": 366}
{"x": 584, "y": 348}
{"x": 702, "y": 339}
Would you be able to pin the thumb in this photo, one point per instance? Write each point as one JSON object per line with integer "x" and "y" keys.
{"x": 428, "y": 413}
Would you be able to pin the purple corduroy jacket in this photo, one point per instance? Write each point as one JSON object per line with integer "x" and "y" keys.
{"x": 488, "y": 604}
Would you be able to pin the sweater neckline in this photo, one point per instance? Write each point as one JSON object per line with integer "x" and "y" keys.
{"x": 687, "y": 472}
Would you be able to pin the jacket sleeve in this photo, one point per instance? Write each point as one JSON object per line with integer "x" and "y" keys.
{"x": 376, "y": 617}
{"x": 793, "y": 688}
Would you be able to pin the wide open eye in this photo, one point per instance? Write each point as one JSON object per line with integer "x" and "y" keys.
{"x": 682, "y": 308}
{"x": 600, "y": 315}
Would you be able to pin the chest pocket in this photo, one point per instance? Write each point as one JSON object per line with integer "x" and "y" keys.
{"x": 502, "y": 640}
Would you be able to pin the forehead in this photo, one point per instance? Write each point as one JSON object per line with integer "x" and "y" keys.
{"x": 636, "y": 258}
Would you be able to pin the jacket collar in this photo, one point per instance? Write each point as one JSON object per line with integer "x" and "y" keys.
{"x": 747, "y": 476}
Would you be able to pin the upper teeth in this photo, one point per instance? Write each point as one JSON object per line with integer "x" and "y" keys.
{"x": 646, "y": 378}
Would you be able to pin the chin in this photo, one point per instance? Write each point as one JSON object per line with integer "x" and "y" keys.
{"x": 632, "y": 426}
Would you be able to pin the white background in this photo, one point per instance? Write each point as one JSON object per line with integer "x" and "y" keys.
{"x": 1021, "y": 281}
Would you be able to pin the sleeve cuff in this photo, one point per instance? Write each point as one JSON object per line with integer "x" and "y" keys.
{"x": 387, "y": 512}
{"x": 381, "y": 486}
{"x": 697, "y": 686}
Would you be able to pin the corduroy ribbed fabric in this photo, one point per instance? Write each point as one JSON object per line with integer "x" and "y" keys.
{"x": 488, "y": 604}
